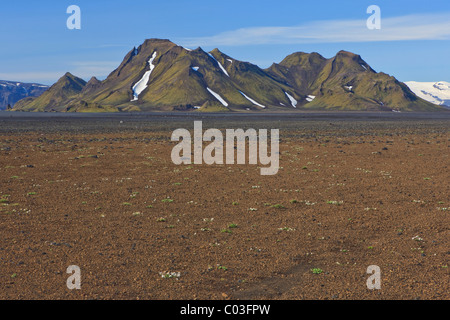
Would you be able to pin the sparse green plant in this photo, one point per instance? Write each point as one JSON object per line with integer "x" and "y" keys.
{"x": 133, "y": 195}
{"x": 335, "y": 202}
{"x": 316, "y": 270}
{"x": 169, "y": 275}
{"x": 286, "y": 229}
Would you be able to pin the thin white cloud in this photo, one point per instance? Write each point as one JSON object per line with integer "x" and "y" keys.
{"x": 88, "y": 69}
{"x": 33, "y": 77}
{"x": 81, "y": 69}
{"x": 411, "y": 27}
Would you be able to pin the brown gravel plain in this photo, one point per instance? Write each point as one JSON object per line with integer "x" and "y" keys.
{"x": 102, "y": 193}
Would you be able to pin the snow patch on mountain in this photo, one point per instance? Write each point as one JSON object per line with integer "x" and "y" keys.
{"x": 141, "y": 85}
{"x": 434, "y": 92}
{"x": 218, "y": 97}
{"x": 310, "y": 98}
{"x": 220, "y": 65}
{"x": 252, "y": 101}
{"x": 292, "y": 99}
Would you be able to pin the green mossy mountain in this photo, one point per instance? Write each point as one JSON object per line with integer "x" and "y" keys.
{"x": 56, "y": 98}
{"x": 162, "y": 76}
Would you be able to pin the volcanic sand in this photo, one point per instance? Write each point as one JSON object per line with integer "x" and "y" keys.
{"x": 105, "y": 196}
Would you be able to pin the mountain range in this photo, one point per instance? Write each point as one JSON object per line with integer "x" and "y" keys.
{"x": 162, "y": 76}
{"x": 13, "y": 91}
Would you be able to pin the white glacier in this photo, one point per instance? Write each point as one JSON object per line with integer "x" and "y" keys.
{"x": 434, "y": 92}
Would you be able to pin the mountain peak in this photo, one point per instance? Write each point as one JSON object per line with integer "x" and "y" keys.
{"x": 92, "y": 85}
{"x": 157, "y": 43}
{"x": 72, "y": 81}
{"x": 302, "y": 58}
{"x": 215, "y": 50}
{"x": 156, "y": 40}
{"x": 346, "y": 53}
{"x": 68, "y": 75}
{"x": 93, "y": 80}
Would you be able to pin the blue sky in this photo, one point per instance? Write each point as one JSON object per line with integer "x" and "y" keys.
{"x": 37, "y": 46}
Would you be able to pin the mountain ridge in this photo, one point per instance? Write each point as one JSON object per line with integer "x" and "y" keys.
{"x": 162, "y": 76}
